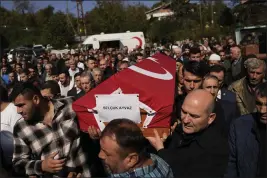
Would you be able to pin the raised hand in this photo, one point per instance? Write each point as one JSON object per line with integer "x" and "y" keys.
{"x": 156, "y": 141}
{"x": 94, "y": 133}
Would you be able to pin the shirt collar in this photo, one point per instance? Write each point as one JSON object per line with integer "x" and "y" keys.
{"x": 57, "y": 104}
{"x": 219, "y": 95}
{"x": 141, "y": 171}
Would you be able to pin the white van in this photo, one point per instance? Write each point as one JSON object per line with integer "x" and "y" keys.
{"x": 116, "y": 40}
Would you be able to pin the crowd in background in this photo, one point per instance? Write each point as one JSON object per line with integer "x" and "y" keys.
{"x": 218, "y": 127}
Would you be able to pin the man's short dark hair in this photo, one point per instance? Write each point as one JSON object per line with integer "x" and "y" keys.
{"x": 77, "y": 74}
{"x": 10, "y": 72}
{"x": 261, "y": 90}
{"x": 30, "y": 66}
{"x": 92, "y": 58}
{"x": 251, "y": 56}
{"x": 66, "y": 72}
{"x": 217, "y": 69}
{"x": 198, "y": 68}
{"x": 125, "y": 62}
{"x": 25, "y": 71}
{"x": 53, "y": 86}
{"x": 128, "y": 136}
{"x": 27, "y": 89}
{"x": 3, "y": 94}
{"x": 54, "y": 71}
{"x": 120, "y": 54}
{"x": 139, "y": 54}
{"x": 194, "y": 50}
{"x": 18, "y": 64}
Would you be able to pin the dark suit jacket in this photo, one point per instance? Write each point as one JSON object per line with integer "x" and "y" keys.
{"x": 204, "y": 154}
{"x": 244, "y": 147}
{"x": 107, "y": 73}
{"x": 79, "y": 95}
{"x": 72, "y": 92}
{"x": 226, "y": 112}
{"x": 228, "y": 95}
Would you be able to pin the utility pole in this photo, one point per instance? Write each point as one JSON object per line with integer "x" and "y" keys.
{"x": 68, "y": 18}
{"x": 212, "y": 14}
{"x": 80, "y": 19}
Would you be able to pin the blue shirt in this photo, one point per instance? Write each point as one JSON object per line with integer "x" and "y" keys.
{"x": 159, "y": 168}
{"x": 5, "y": 78}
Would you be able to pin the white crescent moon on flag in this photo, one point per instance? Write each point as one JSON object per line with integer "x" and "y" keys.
{"x": 166, "y": 76}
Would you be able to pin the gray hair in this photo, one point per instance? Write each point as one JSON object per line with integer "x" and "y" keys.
{"x": 49, "y": 66}
{"x": 209, "y": 76}
{"x": 97, "y": 70}
{"x": 86, "y": 74}
{"x": 254, "y": 63}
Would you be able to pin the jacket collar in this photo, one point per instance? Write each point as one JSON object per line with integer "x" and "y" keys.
{"x": 203, "y": 138}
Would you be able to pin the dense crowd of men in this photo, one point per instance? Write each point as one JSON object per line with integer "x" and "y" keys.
{"x": 218, "y": 128}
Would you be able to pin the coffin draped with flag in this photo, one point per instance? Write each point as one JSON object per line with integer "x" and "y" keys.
{"x": 153, "y": 79}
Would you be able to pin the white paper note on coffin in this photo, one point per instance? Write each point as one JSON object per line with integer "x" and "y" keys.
{"x": 116, "y": 106}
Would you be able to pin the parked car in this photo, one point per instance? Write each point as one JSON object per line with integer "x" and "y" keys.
{"x": 23, "y": 52}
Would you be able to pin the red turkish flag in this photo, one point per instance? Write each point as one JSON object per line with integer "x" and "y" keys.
{"x": 153, "y": 79}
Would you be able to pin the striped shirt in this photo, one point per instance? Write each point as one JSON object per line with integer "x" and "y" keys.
{"x": 33, "y": 142}
{"x": 159, "y": 168}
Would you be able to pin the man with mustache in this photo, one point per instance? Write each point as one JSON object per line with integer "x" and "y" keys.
{"x": 123, "y": 152}
{"x": 247, "y": 140}
{"x": 196, "y": 147}
{"x": 245, "y": 87}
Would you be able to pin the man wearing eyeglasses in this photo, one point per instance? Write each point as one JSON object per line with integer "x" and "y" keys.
{"x": 247, "y": 140}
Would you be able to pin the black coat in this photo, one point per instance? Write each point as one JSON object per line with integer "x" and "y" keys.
{"x": 203, "y": 154}
{"x": 179, "y": 99}
{"x": 244, "y": 147}
{"x": 79, "y": 95}
{"x": 72, "y": 92}
{"x": 228, "y": 95}
{"x": 226, "y": 112}
{"x": 107, "y": 73}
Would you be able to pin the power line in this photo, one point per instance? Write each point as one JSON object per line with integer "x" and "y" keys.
{"x": 68, "y": 18}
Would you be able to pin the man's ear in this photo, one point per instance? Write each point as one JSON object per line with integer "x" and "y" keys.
{"x": 36, "y": 99}
{"x": 211, "y": 118}
{"x": 131, "y": 160}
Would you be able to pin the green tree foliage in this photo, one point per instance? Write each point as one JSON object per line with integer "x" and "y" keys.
{"x": 23, "y": 6}
{"x": 107, "y": 16}
{"x": 251, "y": 13}
{"x": 226, "y": 18}
{"x": 114, "y": 17}
{"x": 23, "y": 26}
{"x": 43, "y": 26}
{"x": 43, "y": 15}
{"x": 56, "y": 32}
{"x": 191, "y": 19}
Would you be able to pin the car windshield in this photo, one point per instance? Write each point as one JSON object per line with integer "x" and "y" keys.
{"x": 28, "y": 52}
{"x": 37, "y": 47}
